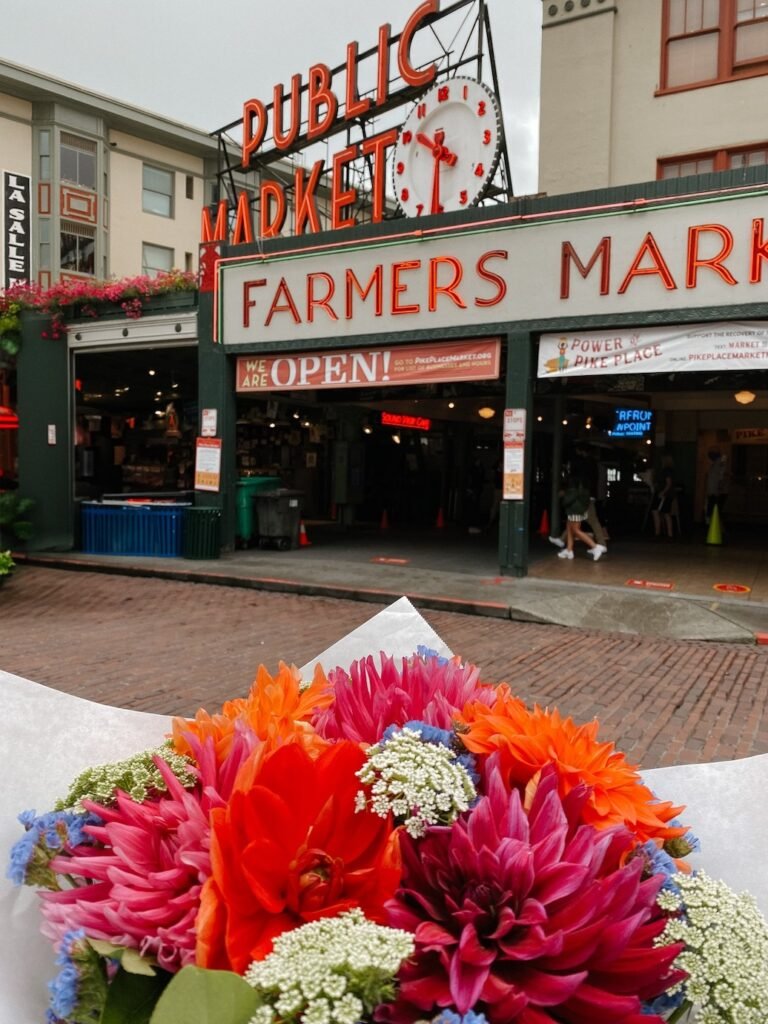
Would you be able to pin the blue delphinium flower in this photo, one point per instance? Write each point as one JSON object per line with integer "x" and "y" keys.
{"x": 426, "y": 652}
{"x": 64, "y": 987}
{"x": 44, "y": 837}
{"x": 452, "y": 1017}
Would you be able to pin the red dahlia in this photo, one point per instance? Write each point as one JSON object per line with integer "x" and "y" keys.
{"x": 529, "y": 917}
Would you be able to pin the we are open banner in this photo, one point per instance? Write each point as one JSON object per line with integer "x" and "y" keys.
{"x": 402, "y": 364}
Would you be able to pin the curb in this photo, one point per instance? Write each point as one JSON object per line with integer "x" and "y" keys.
{"x": 463, "y": 606}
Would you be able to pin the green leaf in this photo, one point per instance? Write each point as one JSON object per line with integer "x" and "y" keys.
{"x": 131, "y": 998}
{"x": 130, "y": 960}
{"x": 198, "y": 996}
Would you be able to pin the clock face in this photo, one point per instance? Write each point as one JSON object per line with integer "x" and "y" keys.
{"x": 448, "y": 148}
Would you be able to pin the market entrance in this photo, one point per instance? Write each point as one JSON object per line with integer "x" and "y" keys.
{"x": 421, "y": 462}
{"x": 659, "y": 453}
{"x": 135, "y": 421}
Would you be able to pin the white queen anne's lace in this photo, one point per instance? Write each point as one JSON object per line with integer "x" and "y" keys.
{"x": 726, "y": 950}
{"x": 422, "y": 784}
{"x": 330, "y": 971}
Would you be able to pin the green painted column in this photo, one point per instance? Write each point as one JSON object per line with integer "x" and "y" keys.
{"x": 216, "y": 390}
{"x": 45, "y": 434}
{"x": 514, "y": 517}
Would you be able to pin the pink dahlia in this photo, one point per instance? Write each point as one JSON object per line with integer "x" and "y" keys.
{"x": 140, "y": 885}
{"x": 529, "y": 917}
{"x": 424, "y": 689}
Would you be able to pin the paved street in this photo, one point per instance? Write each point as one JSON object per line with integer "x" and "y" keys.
{"x": 170, "y": 647}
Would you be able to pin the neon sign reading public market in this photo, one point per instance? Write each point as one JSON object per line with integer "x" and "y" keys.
{"x": 318, "y": 104}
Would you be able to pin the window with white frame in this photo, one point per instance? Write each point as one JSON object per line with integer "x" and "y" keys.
{"x": 715, "y": 160}
{"x": 710, "y": 41}
{"x": 77, "y": 251}
{"x": 157, "y": 191}
{"x": 155, "y": 259}
{"x": 77, "y": 160}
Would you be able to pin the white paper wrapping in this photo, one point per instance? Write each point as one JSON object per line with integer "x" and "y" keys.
{"x": 48, "y": 737}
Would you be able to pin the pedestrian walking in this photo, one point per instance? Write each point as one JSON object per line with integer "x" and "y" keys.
{"x": 576, "y": 500}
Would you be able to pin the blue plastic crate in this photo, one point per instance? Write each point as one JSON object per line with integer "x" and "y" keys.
{"x": 148, "y": 530}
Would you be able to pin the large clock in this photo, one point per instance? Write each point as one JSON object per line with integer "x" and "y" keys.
{"x": 448, "y": 148}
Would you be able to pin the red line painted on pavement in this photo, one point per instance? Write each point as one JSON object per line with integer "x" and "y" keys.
{"x": 649, "y": 585}
{"x": 731, "y": 588}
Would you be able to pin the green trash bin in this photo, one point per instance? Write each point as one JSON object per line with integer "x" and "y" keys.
{"x": 247, "y": 488}
{"x": 202, "y": 533}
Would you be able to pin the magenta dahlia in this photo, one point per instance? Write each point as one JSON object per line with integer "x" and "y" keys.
{"x": 140, "y": 884}
{"x": 425, "y": 689}
{"x": 528, "y": 917}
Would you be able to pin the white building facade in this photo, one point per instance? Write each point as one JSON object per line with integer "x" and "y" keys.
{"x": 637, "y": 90}
{"x": 110, "y": 190}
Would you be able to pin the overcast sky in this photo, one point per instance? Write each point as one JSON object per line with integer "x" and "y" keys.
{"x": 197, "y": 61}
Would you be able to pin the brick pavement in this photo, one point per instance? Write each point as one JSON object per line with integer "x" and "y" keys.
{"x": 170, "y": 647}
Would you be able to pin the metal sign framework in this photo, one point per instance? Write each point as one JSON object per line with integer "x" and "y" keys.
{"x": 470, "y": 46}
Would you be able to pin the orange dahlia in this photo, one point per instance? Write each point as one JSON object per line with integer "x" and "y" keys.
{"x": 276, "y": 710}
{"x": 289, "y": 849}
{"x": 527, "y": 740}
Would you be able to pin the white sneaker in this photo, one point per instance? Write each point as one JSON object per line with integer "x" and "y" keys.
{"x": 557, "y": 542}
{"x": 565, "y": 553}
{"x": 598, "y": 551}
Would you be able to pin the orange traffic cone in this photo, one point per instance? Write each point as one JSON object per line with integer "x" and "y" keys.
{"x": 544, "y": 524}
{"x": 384, "y": 520}
{"x": 440, "y": 520}
{"x": 304, "y": 541}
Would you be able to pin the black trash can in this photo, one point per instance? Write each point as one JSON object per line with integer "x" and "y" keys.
{"x": 202, "y": 533}
{"x": 278, "y": 518}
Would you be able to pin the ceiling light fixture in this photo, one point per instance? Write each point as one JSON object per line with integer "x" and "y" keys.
{"x": 745, "y": 397}
{"x": 151, "y": 372}
{"x": 486, "y": 412}
{"x": 451, "y": 405}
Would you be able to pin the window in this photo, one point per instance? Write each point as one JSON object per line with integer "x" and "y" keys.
{"x": 709, "y": 41}
{"x": 45, "y": 155}
{"x": 77, "y": 160}
{"x": 190, "y": 187}
{"x": 157, "y": 191}
{"x": 155, "y": 259}
{"x": 78, "y": 246}
{"x": 717, "y": 160}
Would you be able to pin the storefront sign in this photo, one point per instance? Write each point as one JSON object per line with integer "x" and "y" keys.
{"x": 630, "y": 422}
{"x": 308, "y": 112}
{"x": 513, "y": 485}
{"x": 750, "y": 435}
{"x": 16, "y": 229}
{"x": 517, "y": 269}
{"x": 401, "y": 364}
{"x": 723, "y": 346}
{"x": 208, "y": 464}
{"x": 394, "y": 419}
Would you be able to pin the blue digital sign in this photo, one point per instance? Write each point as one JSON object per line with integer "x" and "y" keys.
{"x": 631, "y": 422}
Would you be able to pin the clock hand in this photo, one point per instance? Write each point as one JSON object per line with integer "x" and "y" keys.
{"x": 426, "y": 141}
{"x": 435, "y": 205}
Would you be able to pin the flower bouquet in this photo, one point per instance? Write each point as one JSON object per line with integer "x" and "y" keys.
{"x": 393, "y": 841}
